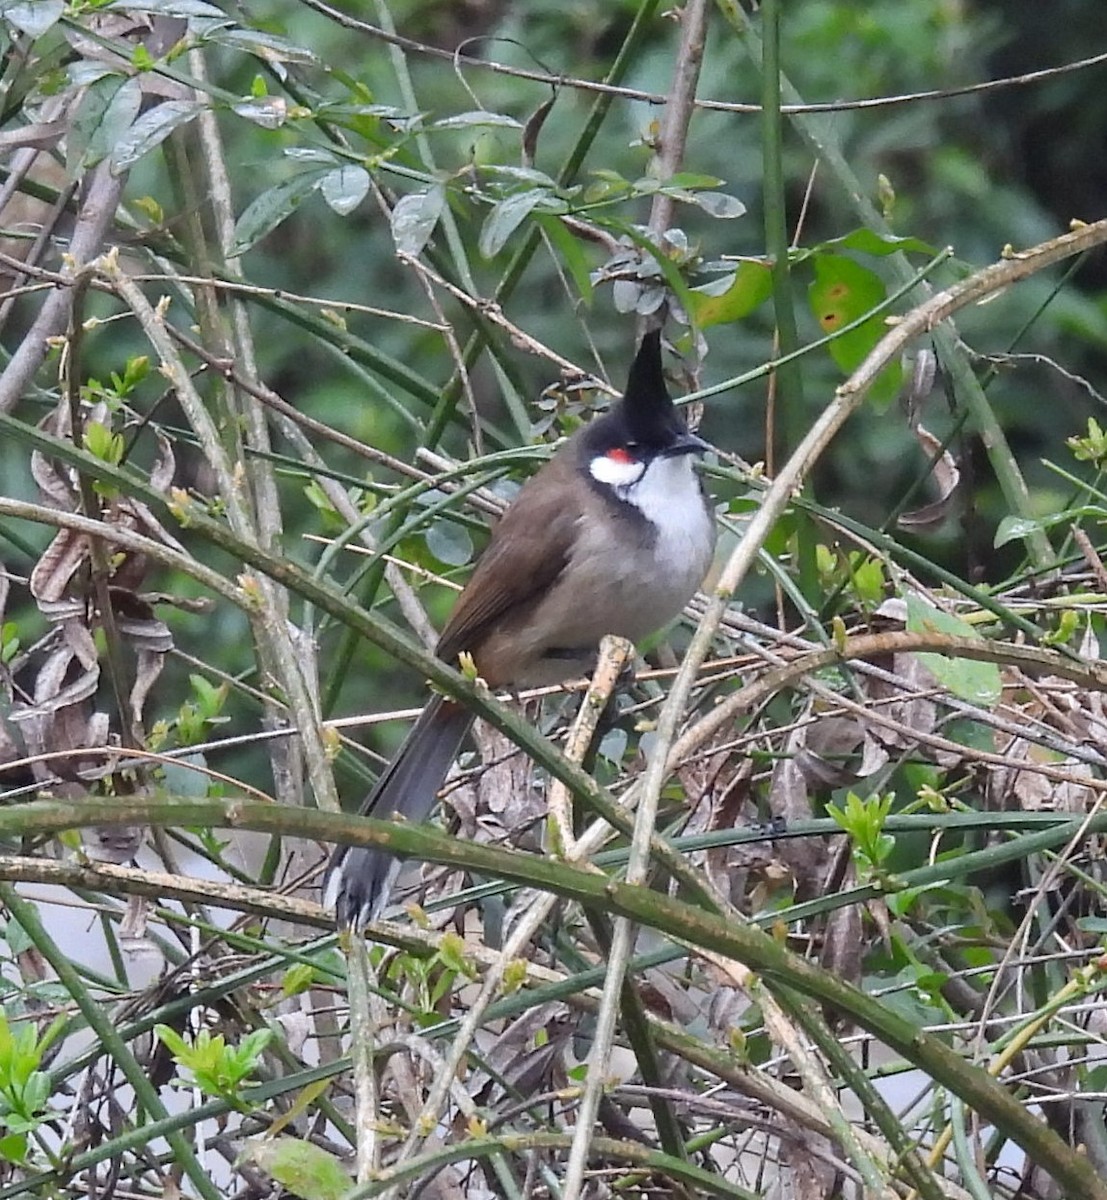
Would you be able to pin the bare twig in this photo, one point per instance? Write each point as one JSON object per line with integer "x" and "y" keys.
{"x": 272, "y": 630}
{"x": 589, "y": 85}
{"x": 673, "y": 135}
{"x": 97, "y": 211}
{"x": 613, "y": 656}
{"x": 615, "y": 653}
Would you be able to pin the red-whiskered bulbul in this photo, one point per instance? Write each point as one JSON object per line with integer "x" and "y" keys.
{"x": 611, "y": 536}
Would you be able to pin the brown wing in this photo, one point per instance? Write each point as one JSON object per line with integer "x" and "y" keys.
{"x": 527, "y": 551}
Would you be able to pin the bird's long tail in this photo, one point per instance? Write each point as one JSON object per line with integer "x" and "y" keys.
{"x": 359, "y": 878}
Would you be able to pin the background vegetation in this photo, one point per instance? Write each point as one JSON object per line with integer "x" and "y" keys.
{"x": 293, "y": 297}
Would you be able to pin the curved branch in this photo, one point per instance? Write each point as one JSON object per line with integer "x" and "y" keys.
{"x": 679, "y": 921}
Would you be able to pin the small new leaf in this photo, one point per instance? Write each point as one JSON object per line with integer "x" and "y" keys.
{"x": 1092, "y": 448}
{"x": 864, "y": 821}
{"x": 101, "y": 443}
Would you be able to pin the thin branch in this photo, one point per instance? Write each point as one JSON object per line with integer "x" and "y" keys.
{"x": 672, "y": 138}
{"x": 613, "y": 656}
{"x": 266, "y": 610}
{"x": 94, "y": 219}
{"x": 672, "y": 134}
{"x": 681, "y": 921}
{"x": 589, "y": 85}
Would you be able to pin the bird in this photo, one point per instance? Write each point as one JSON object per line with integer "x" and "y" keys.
{"x": 611, "y": 536}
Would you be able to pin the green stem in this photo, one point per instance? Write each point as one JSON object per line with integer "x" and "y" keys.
{"x": 858, "y": 1082}
{"x": 677, "y": 920}
{"x": 789, "y": 381}
{"x": 701, "y": 1182}
{"x": 100, "y": 1022}
{"x": 817, "y": 130}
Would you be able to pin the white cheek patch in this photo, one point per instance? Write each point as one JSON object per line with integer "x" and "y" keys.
{"x": 619, "y": 475}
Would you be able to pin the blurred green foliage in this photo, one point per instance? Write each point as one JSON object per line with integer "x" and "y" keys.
{"x": 428, "y": 258}
{"x": 315, "y": 116}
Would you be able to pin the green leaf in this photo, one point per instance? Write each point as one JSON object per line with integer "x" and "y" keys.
{"x": 977, "y": 682}
{"x": 104, "y": 115}
{"x": 1068, "y": 624}
{"x": 102, "y": 443}
{"x": 614, "y": 745}
{"x": 269, "y": 47}
{"x": 33, "y": 17}
{"x": 414, "y": 219}
{"x": 304, "y": 1169}
{"x": 345, "y": 188}
{"x": 569, "y": 251}
{"x": 118, "y": 118}
{"x": 13, "y": 1147}
{"x": 150, "y": 130}
{"x": 606, "y": 184}
{"x": 719, "y": 204}
{"x": 1011, "y": 529}
{"x": 297, "y": 979}
{"x": 272, "y": 207}
{"x": 171, "y": 8}
{"x": 84, "y": 73}
{"x": 10, "y": 642}
{"x": 471, "y": 120}
{"x": 53, "y": 1031}
{"x": 1092, "y": 448}
{"x": 451, "y": 953}
{"x": 973, "y": 734}
{"x": 506, "y": 217}
{"x": 881, "y": 245}
{"x": 668, "y": 268}
{"x": 520, "y": 175}
{"x": 211, "y": 697}
{"x": 450, "y": 543}
{"x": 733, "y": 297}
{"x": 310, "y": 154}
{"x": 173, "y": 1042}
{"x": 185, "y": 775}
{"x": 270, "y": 112}
{"x": 868, "y": 581}
{"x": 843, "y": 291}
{"x": 19, "y": 941}
{"x": 36, "y": 1092}
{"x": 691, "y": 181}
{"x": 252, "y": 1045}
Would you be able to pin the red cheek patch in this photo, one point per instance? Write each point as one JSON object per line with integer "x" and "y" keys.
{"x": 619, "y": 455}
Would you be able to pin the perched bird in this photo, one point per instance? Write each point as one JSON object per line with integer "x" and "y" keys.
{"x": 611, "y": 536}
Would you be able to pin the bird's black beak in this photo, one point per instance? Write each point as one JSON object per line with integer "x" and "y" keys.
{"x": 687, "y": 443}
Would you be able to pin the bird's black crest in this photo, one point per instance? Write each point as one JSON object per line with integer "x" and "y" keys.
{"x": 647, "y": 407}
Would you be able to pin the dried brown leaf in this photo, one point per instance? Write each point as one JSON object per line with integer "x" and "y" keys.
{"x": 812, "y": 1177}
{"x": 946, "y": 478}
{"x": 843, "y": 944}
{"x": 51, "y": 576}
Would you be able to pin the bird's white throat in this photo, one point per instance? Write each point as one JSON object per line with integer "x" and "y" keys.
{"x": 667, "y": 492}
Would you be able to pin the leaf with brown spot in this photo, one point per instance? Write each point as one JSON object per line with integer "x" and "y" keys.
{"x": 843, "y": 292}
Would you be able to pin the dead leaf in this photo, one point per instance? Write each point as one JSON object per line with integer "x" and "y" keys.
{"x": 946, "y": 476}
